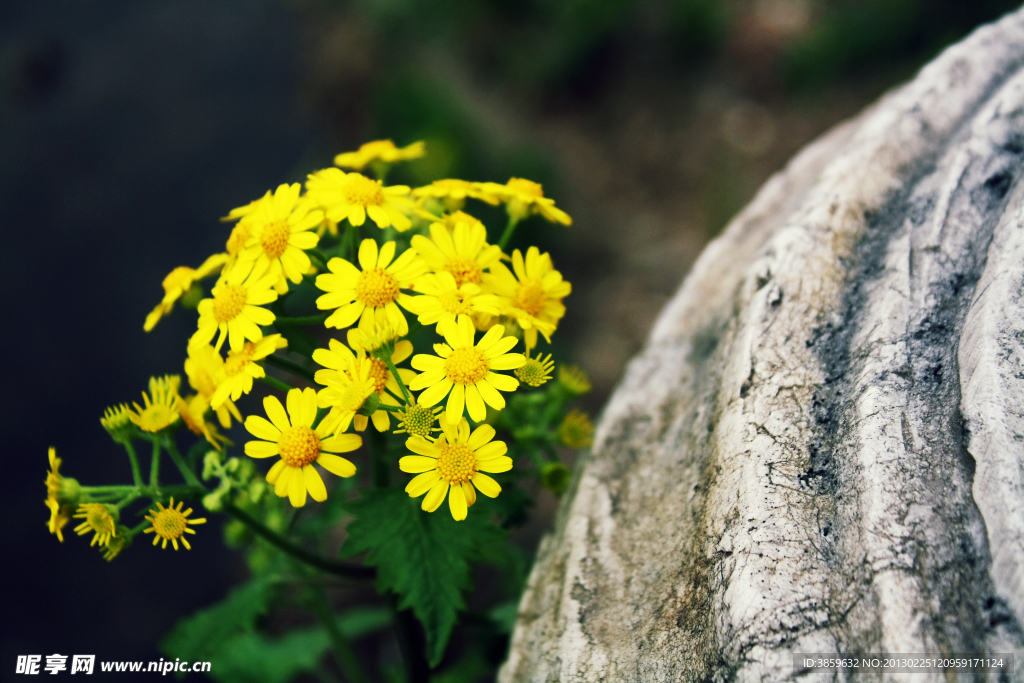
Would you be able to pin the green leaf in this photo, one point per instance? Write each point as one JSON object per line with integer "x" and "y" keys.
{"x": 254, "y": 658}
{"x": 423, "y": 557}
{"x": 362, "y": 621}
{"x": 471, "y": 668}
{"x": 201, "y": 636}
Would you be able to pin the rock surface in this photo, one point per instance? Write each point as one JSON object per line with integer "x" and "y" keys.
{"x": 820, "y": 448}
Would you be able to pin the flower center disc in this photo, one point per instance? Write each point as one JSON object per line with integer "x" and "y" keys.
{"x": 275, "y": 238}
{"x": 376, "y": 288}
{"x": 169, "y": 523}
{"x": 363, "y": 191}
{"x": 418, "y": 420}
{"x": 299, "y": 446}
{"x": 457, "y": 463}
{"x": 239, "y": 359}
{"x": 379, "y": 375}
{"x": 466, "y": 366}
{"x": 228, "y": 303}
{"x": 453, "y": 301}
{"x": 100, "y": 520}
{"x": 530, "y": 296}
{"x": 464, "y": 270}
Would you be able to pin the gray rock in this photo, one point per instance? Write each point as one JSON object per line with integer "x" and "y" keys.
{"x": 820, "y": 448}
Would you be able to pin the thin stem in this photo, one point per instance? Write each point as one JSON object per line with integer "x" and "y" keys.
{"x": 352, "y": 237}
{"x": 128, "y": 499}
{"x": 154, "y": 466}
{"x": 302, "y": 320}
{"x": 139, "y": 527}
{"x": 507, "y": 235}
{"x": 186, "y": 471}
{"x": 390, "y": 409}
{"x": 290, "y": 366}
{"x": 343, "y": 569}
{"x": 343, "y": 652}
{"x": 136, "y": 472}
{"x": 398, "y": 378}
{"x": 276, "y": 383}
{"x": 108, "y": 489}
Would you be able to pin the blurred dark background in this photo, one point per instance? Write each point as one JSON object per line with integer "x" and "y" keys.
{"x": 128, "y": 127}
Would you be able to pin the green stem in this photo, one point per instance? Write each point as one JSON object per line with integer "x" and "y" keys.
{"x": 186, "y": 471}
{"x": 136, "y": 472}
{"x": 390, "y": 409}
{"x": 343, "y": 652}
{"x": 352, "y": 237}
{"x": 507, "y": 235}
{"x": 154, "y": 466}
{"x": 107, "y": 489}
{"x": 398, "y": 378}
{"x": 276, "y": 383}
{"x": 290, "y": 366}
{"x": 343, "y": 569}
{"x": 315, "y": 253}
{"x": 139, "y": 527}
{"x": 302, "y": 320}
{"x": 128, "y": 499}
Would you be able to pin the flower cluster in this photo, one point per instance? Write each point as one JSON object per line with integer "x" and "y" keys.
{"x": 423, "y": 326}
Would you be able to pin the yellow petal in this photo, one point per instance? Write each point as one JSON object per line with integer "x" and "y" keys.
{"x": 275, "y": 411}
{"x": 342, "y": 443}
{"x": 502, "y": 463}
{"x": 491, "y": 450}
{"x": 261, "y": 428}
{"x": 422, "y": 483}
{"x": 456, "y": 404}
{"x": 314, "y": 484}
{"x": 480, "y": 436}
{"x": 414, "y": 464}
{"x": 486, "y": 485}
{"x": 368, "y": 254}
{"x": 336, "y": 464}
{"x": 261, "y": 449}
{"x": 457, "y": 503}
{"x": 435, "y": 496}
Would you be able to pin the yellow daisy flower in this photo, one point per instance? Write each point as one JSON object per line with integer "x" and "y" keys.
{"x": 574, "y": 379}
{"x": 53, "y": 478}
{"x": 467, "y": 371}
{"x": 454, "y": 466}
{"x": 60, "y": 515}
{"x": 240, "y": 369}
{"x": 345, "y": 383}
{"x": 537, "y": 370}
{"x": 117, "y": 420}
{"x": 354, "y": 196}
{"x": 171, "y": 524}
{"x": 443, "y": 300}
{"x": 299, "y": 445}
{"x": 235, "y": 310}
{"x": 576, "y": 431}
{"x": 358, "y": 294}
{"x": 462, "y": 251}
{"x": 179, "y": 281}
{"x": 373, "y": 333}
{"x": 533, "y": 296}
{"x": 524, "y": 197}
{"x": 193, "y": 414}
{"x": 162, "y": 410}
{"x": 379, "y": 150}
{"x": 117, "y": 543}
{"x": 418, "y": 420}
{"x": 99, "y": 520}
{"x": 346, "y": 388}
{"x": 246, "y": 210}
{"x": 281, "y": 230}
{"x": 453, "y": 192}
{"x": 205, "y": 370}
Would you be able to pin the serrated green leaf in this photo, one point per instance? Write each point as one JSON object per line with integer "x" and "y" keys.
{"x": 254, "y": 658}
{"x": 425, "y": 558}
{"x": 200, "y": 636}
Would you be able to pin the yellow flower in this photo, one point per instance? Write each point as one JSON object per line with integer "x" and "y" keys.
{"x": 463, "y": 251}
{"x": 533, "y": 296}
{"x": 354, "y": 196}
{"x": 418, "y": 420}
{"x": 171, "y": 524}
{"x": 379, "y": 150}
{"x": 235, "y": 310}
{"x": 205, "y": 370}
{"x": 345, "y": 383}
{"x": 347, "y": 387}
{"x": 442, "y": 300}
{"x": 53, "y": 478}
{"x": 118, "y": 542}
{"x": 280, "y": 232}
{"x": 358, "y": 294}
{"x": 454, "y": 465}
{"x": 177, "y": 282}
{"x": 117, "y": 420}
{"x": 576, "y": 430}
{"x": 373, "y": 333}
{"x": 537, "y": 370}
{"x": 162, "y": 411}
{"x": 467, "y": 371}
{"x": 299, "y": 445}
{"x": 193, "y": 414}
{"x": 574, "y": 379}
{"x": 60, "y": 515}
{"x": 240, "y": 369}
{"x": 246, "y": 210}
{"x": 453, "y": 192}
{"x": 99, "y": 520}
{"x": 524, "y": 197}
